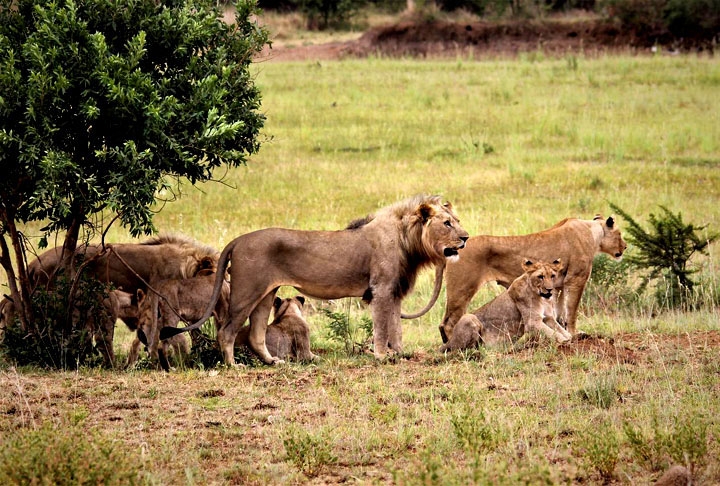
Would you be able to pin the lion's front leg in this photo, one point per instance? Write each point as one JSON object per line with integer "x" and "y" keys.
{"x": 387, "y": 330}
{"x": 572, "y": 302}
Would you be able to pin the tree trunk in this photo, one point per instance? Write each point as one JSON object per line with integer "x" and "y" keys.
{"x": 6, "y": 262}
{"x": 22, "y": 298}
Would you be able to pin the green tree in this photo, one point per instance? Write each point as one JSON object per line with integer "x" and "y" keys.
{"x": 105, "y": 102}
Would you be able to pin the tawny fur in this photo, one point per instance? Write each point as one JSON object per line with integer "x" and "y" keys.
{"x": 495, "y": 259}
{"x": 288, "y": 335}
{"x": 186, "y": 296}
{"x": 527, "y": 306}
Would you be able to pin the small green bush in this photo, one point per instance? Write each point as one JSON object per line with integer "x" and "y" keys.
{"x": 477, "y": 433}
{"x": 600, "y": 447}
{"x": 69, "y": 457}
{"x": 60, "y": 338}
{"x": 350, "y": 334}
{"x": 310, "y": 453}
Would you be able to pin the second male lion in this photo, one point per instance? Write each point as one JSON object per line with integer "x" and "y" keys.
{"x": 377, "y": 258}
{"x": 288, "y": 335}
{"x": 494, "y": 259}
{"x": 527, "y": 306}
{"x": 173, "y": 299}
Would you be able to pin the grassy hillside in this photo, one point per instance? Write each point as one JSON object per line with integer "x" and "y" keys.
{"x": 516, "y": 145}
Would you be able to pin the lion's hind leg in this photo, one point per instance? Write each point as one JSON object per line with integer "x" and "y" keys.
{"x": 467, "y": 334}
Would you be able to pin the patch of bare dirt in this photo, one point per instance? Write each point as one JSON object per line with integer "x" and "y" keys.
{"x": 481, "y": 39}
{"x": 635, "y": 348}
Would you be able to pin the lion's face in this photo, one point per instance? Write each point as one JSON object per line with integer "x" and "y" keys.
{"x": 612, "y": 242}
{"x": 543, "y": 276}
{"x": 442, "y": 235}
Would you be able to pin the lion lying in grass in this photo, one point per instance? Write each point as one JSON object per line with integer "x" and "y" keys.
{"x": 288, "y": 335}
{"x": 494, "y": 259}
{"x": 527, "y": 306}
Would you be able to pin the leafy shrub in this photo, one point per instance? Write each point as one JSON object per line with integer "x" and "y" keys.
{"x": 477, "y": 434}
{"x": 350, "y": 334}
{"x": 610, "y": 285}
{"x": 60, "y": 338}
{"x": 666, "y": 251}
{"x": 600, "y": 447}
{"x": 310, "y": 453}
{"x": 64, "y": 457}
{"x": 694, "y": 23}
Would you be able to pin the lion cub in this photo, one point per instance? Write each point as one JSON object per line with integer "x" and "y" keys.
{"x": 527, "y": 306}
{"x": 288, "y": 335}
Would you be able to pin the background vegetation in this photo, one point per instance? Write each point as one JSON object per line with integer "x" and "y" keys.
{"x": 516, "y": 145}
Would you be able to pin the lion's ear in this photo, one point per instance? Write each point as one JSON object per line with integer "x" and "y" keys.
{"x": 300, "y": 299}
{"x": 448, "y": 206}
{"x": 598, "y": 217}
{"x": 277, "y": 303}
{"x": 140, "y": 295}
{"x": 557, "y": 264}
{"x": 610, "y": 222}
{"x": 527, "y": 264}
{"x": 426, "y": 211}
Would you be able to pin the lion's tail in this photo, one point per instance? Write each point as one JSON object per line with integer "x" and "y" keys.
{"x": 168, "y": 332}
{"x": 439, "y": 270}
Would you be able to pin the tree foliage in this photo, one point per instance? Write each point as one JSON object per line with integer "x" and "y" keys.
{"x": 105, "y": 102}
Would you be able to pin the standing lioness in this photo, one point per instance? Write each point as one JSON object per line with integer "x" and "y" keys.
{"x": 377, "y": 258}
{"x": 494, "y": 258}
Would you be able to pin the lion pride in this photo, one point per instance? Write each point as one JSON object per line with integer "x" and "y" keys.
{"x": 495, "y": 259}
{"x": 376, "y": 258}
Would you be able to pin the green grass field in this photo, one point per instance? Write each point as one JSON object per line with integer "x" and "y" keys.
{"x": 515, "y": 145}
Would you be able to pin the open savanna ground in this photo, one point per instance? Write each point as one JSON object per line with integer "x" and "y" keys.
{"x": 516, "y": 145}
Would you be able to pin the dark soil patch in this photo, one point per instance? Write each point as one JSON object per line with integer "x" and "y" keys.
{"x": 602, "y": 348}
{"x": 491, "y": 39}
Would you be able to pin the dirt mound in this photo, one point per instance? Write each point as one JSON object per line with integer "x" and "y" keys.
{"x": 437, "y": 38}
{"x": 490, "y": 39}
{"x": 605, "y": 349}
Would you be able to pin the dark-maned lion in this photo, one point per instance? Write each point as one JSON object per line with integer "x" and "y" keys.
{"x": 494, "y": 259}
{"x": 377, "y": 258}
{"x": 288, "y": 335}
{"x": 527, "y": 306}
{"x": 188, "y": 297}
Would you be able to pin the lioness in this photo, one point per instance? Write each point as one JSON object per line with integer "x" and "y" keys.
{"x": 494, "y": 258}
{"x": 186, "y": 297}
{"x": 377, "y": 258}
{"x": 288, "y": 335}
{"x": 527, "y": 306}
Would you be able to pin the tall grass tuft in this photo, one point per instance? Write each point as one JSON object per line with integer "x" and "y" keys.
{"x": 67, "y": 456}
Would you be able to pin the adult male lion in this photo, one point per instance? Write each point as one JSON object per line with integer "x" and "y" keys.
{"x": 377, "y": 258}
{"x": 288, "y": 335}
{"x": 494, "y": 258}
{"x": 527, "y": 306}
